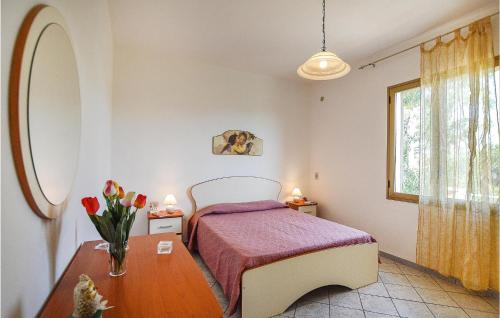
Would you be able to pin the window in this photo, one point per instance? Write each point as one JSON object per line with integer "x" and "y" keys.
{"x": 403, "y": 140}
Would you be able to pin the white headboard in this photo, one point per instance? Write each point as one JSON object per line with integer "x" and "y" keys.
{"x": 233, "y": 189}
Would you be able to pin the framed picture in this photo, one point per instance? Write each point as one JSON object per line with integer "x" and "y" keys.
{"x": 237, "y": 142}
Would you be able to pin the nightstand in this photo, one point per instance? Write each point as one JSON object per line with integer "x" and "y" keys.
{"x": 308, "y": 207}
{"x": 165, "y": 222}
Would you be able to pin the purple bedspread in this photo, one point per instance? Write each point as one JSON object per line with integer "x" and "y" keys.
{"x": 232, "y": 238}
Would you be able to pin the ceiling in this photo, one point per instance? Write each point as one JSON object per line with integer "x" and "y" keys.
{"x": 274, "y": 37}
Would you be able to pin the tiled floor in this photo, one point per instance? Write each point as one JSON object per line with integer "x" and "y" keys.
{"x": 401, "y": 291}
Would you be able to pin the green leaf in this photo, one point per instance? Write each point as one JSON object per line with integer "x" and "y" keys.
{"x": 130, "y": 222}
{"x": 117, "y": 248}
{"x": 107, "y": 229}
{"x": 108, "y": 201}
{"x": 117, "y": 212}
{"x": 123, "y": 229}
{"x": 94, "y": 220}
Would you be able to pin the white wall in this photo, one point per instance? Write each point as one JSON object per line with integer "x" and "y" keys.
{"x": 165, "y": 112}
{"x": 35, "y": 252}
{"x": 349, "y": 147}
{"x": 349, "y": 138}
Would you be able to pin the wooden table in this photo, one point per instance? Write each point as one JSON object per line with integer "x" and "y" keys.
{"x": 167, "y": 285}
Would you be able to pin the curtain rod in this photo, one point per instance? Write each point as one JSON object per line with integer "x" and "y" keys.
{"x": 418, "y": 44}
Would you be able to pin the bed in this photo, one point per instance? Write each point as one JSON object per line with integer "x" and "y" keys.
{"x": 268, "y": 255}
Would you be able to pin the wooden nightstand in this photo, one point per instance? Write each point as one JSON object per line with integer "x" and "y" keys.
{"x": 308, "y": 207}
{"x": 165, "y": 222}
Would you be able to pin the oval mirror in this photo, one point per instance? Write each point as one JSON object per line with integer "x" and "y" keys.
{"x": 45, "y": 111}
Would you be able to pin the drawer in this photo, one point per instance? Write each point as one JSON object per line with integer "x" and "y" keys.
{"x": 165, "y": 225}
{"x": 309, "y": 209}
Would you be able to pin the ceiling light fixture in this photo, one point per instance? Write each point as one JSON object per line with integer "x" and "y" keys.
{"x": 324, "y": 65}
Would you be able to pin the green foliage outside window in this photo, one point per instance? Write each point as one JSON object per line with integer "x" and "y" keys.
{"x": 410, "y": 141}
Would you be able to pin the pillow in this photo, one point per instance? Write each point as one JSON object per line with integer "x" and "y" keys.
{"x": 222, "y": 208}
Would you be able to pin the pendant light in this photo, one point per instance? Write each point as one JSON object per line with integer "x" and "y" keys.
{"x": 324, "y": 65}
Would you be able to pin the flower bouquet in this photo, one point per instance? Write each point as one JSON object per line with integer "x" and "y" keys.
{"x": 115, "y": 222}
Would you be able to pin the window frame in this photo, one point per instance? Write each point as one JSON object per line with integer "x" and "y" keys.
{"x": 391, "y": 151}
{"x": 391, "y": 155}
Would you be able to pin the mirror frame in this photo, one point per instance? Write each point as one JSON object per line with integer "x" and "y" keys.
{"x": 35, "y": 22}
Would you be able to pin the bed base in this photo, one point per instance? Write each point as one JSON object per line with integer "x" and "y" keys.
{"x": 270, "y": 289}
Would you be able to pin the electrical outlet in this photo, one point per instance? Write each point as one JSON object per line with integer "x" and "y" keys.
{"x": 316, "y": 176}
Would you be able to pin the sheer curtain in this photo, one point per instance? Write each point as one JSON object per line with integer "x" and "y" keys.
{"x": 459, "y": 168}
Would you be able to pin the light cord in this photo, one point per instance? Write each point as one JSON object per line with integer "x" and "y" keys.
{"x": 324, "y": 40}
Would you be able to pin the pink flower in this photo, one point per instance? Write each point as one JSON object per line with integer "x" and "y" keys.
{"x": 127, "y": 200}
{"x": 110, "y": 188}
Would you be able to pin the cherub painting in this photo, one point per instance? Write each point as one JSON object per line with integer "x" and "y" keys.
{"x": 237, "y": 142}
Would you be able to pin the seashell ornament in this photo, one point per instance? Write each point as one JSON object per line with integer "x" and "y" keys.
{"x": 87, "y": 301}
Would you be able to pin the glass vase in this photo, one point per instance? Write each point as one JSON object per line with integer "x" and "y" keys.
{"x": 117, "y": 259}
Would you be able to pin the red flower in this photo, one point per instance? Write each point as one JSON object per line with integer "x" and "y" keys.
{"x": 91, "y": 205}
{"x": 140, "y": 201}
{"x": 121, "y": 193}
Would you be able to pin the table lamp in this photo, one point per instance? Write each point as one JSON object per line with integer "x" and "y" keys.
{"x": 297, "y": 195}
{"x": 170, "y": 201}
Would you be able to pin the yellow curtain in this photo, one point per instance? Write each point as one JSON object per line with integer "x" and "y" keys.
{"x": 459, "y": 159}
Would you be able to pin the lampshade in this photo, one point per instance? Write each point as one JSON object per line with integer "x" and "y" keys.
{"x": 323, "y": 66}
{"x": 170, "y": 200}
{"x": 296, "y": 192}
